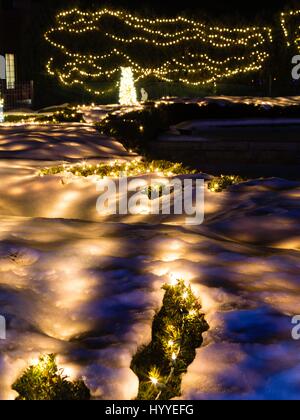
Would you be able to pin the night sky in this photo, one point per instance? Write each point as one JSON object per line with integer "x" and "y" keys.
{"x": 216, "y": 9}
{"x": 224, "y": 7}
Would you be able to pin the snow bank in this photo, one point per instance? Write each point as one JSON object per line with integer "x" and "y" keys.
{"x": 87, "y": 289}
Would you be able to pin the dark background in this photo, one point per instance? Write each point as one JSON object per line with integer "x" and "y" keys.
{"x": 222, "y": 8}
{"x": 219, "y": 9}
{"x": 23, "y": 23}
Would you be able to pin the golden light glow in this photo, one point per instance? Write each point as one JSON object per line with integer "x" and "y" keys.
{"x": 128, "y": 94}
{"x": 34, "y": 362}
{"x": 154, "y": 381}
{"x": 243, "y": 50}
{"x": 173, "y": 279}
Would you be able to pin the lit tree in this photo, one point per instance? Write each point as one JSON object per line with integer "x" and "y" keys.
{"x": 127, "y": 89}
{"x": 170, "y": 50}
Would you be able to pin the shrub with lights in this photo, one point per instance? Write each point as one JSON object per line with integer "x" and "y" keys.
{"x": 117, "y": 168}
{"x": 219, "y": 184}
{"x": 45, "y": 381}
{"x": 176, "y": 334}
{"x": 138, "y": 128}
{"x": 134, "y": 129}
{"x": 65, "y": 115}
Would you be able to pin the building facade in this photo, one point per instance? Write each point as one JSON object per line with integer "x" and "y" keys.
{"x": 15, "y": 88}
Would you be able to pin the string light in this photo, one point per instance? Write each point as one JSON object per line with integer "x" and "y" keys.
{"x": 154, "y": 376}
{"x": 116, "y": 169}
{"x": 70, "y": 114}
{"x": 174, "y": 345}
{"x": 219, "y": 184}
{"x": 154, "y": 381}
{"x": 248, "y": 49}
{"x": 290, "y": 36}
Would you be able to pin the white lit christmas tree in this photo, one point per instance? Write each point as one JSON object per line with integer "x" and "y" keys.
{"x": 128, "y": 94}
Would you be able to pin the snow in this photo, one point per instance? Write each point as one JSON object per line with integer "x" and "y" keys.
{"x": 59, "y": 142}
{"x": 249, "y": 100}
{"x": 87, "y": 287}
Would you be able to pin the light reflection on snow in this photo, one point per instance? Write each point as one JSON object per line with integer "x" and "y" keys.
{"x": 87, "y": 289}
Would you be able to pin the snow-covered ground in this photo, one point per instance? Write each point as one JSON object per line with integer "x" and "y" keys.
{"x": 56, "y": 143}
{"x": 87, "y": 288}
{"x": 223, "y": 99}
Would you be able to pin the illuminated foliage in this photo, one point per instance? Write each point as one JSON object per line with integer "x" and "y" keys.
{"x": 45, "y": 381}
{"x": 176, "y": 333}
{"x": 69, "y": 114}
{"x": 219, "y": 184}
{"x": 118, "y": 168}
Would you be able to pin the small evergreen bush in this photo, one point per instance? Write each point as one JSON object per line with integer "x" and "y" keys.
{"x": 45, "y": 381}
{"x": 219, "y": 184}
